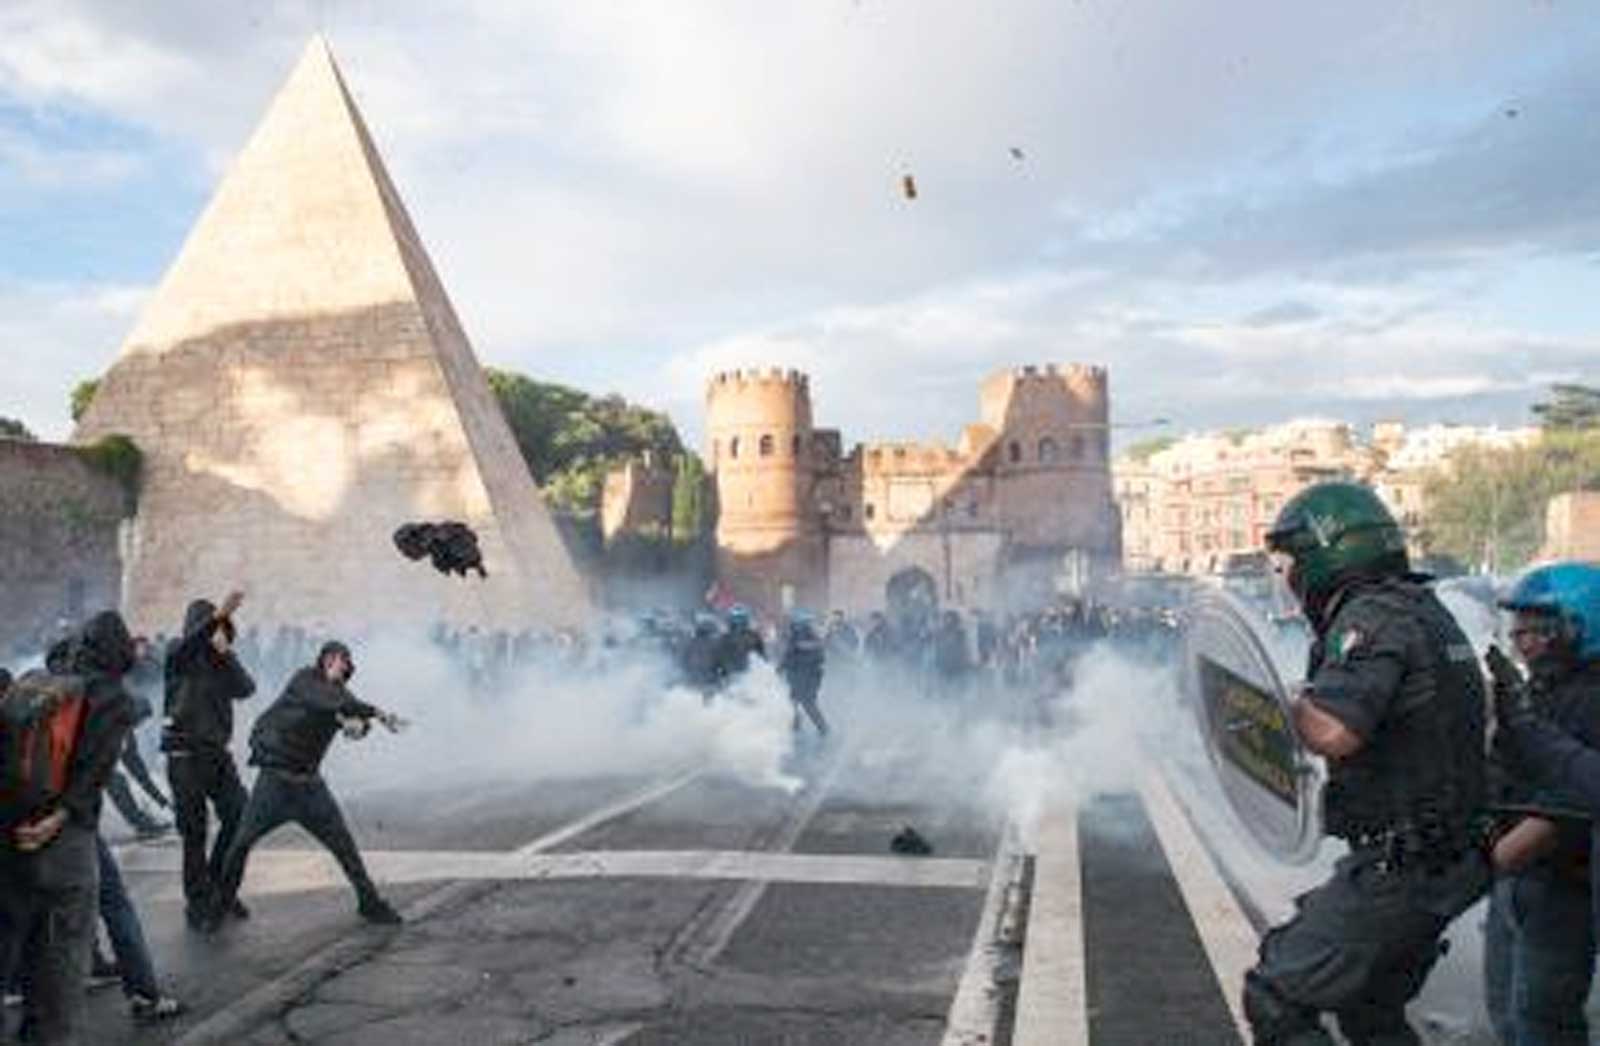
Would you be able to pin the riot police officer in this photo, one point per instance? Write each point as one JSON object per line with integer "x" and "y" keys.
{"x": 1395, "y": 702}
{"x": 737, "y": 644}
{"x": 1553, "y": 754}
{"x": 1539, "y": 949}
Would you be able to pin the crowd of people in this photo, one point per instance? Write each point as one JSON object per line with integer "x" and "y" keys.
{"x": 67, "y": 726}
{"x": 1437, "y": 811}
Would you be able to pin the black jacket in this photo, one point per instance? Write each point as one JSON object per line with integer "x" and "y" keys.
{"x": 201, "y": 686}
{"x": 100, "y": 656}
{"x": 295, "y": 732}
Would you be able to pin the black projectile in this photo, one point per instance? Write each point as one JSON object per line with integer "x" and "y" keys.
{"x": 452, "y": 546}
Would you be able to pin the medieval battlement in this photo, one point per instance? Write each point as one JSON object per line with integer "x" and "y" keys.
{"x": 890, "y": 456}
{"x": 728, "y": 380}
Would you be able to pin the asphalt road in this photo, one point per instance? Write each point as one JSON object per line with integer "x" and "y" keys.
{"x": 675, "y": 908}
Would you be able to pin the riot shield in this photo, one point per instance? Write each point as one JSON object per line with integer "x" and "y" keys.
{"x": 1235, "y": 658}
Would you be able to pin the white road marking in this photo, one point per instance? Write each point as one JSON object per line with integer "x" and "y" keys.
{"x": 1053, "y": 999}
{"x": 230, "y": 1024}
{"x": 1226, "y": 932}
{"x": 294, "y": 871}
{"x": 975, "y": 1010}
{"x": 708, "y": 942}
{"x": 591, "y": 1035}
{"x": 626, "y": 805}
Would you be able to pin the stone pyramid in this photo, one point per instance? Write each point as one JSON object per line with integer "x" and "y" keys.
{"x": 300, "y": 386}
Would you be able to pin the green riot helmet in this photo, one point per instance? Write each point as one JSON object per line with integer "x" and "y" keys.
{"x": 1333, "y": 532}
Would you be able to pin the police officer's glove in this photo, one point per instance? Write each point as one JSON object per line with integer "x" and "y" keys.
{"x": 1513, "y": 703}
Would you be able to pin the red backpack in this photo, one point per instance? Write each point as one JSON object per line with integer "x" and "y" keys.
{"x": 41, "y": 720}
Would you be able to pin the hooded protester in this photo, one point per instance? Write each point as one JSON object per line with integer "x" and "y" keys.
{"x": 288, "y": 743}
{"x": 48, "y": 863}
{"x": 204, "y": 677}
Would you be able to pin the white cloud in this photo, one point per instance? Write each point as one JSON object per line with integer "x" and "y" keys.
{"x": 629, "y": 195}
{"x": 54, "y": 336}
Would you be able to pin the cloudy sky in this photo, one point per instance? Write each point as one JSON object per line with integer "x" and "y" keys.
{"x": 1246, "y": 209}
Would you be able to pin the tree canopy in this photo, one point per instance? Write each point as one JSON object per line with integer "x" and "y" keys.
{"x": 1145, "y": 449}
{"x": 570, "y": 439}
{"x": 1570, "y": 408}
{"x": 82, "y": 396}
{"x": 11, "y": 428}
{"x": 1488, "y": 508}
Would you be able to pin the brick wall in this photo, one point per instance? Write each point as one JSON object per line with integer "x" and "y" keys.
{"x": 58, "y": 542}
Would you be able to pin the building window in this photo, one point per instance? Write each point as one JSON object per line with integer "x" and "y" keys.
{"x": 794, "y": 445}
{"x": 766, "y": 446}
{"x": 972, "y": 509}
{"x": 1077, "y": 448}
{"x": 844, "y": 513}
{"x": 868, "y": 511}
{"x": 1047, "y": 450}
{"x": 733, "y": 447}
{"x": 1015, "y": 452}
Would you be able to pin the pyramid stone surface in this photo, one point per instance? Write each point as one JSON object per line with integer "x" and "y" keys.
{"x": 300, "y": 386}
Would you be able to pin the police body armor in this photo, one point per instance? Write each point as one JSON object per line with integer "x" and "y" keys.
{"x": 1416, "y": 789}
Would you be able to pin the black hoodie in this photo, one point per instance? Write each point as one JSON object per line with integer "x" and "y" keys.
{"x": 101, "y": 655}
{"x": 295, "y": 732}
{"x": 201, "y": 686}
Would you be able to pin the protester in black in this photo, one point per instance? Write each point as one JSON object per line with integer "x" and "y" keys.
{"x": 203, "y": 679}
{"x": 48, "y": 864}
{"x": 288, "y": 743}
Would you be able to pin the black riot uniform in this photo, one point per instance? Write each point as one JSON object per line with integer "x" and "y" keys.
{"x": 1396, "y": 701}
{"x": 1393, "y": 667}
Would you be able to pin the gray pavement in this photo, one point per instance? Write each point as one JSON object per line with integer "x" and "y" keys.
{"x": 762, "y": 949}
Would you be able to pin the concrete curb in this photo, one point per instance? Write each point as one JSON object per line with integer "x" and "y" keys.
{"x": 1053, "y": 1001}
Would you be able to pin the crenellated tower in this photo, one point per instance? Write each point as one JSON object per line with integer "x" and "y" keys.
{"x": 759, "y": 428}
{"x": 1052, "y": 454}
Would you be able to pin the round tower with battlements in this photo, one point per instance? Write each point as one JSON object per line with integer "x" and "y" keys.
{"x": 759, "y": 433}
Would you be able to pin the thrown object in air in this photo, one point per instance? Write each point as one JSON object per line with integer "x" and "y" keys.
{"x": 911, "y": 843}
{"x": 452, "y": 546}
{"x": 908, "y": 185}
{"x": 1017, "y": 154}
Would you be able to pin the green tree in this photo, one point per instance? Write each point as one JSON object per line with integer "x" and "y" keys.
{"x": 11, "y": 428}
{"x": 690, "y": 514}
{"x": 1570, "y": 408}
{"x": 1145, "y": 449}
{"x": 82, "y": 396}
{"x": 570, "y": 439}
{"x": 1488, "y": 508}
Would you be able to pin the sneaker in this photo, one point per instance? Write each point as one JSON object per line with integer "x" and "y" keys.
{"x": 152, "y": 830}
{"x": 237, "y": 910}
{"x": 148, "y": 1009}
{"x": 379, "y": 912}
{"x": 11, "y": 1000}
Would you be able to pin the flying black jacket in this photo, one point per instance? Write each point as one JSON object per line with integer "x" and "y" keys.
{"x": 201, "y": 686}
{"x": 294, "y": 733}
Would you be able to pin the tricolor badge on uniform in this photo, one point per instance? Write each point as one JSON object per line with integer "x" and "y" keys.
{"x": 1346, "y": 643}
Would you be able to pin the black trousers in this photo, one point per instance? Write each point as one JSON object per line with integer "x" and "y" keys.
{"x": 279, "y": 798}
{"x": 200, "y": 781}
{"x": 47, "y": 924}
{"x": 1360, "y": 947}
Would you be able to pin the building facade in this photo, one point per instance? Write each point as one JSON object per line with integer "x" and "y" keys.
{"x": 1017, "y": 509}
{"x": 1207, "y": 501}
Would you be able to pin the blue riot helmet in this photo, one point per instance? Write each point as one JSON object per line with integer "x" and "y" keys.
{"x": 739, "y": 616}
{"x": 802, "y": 622}
{"x": 705, "y": 625}
{"x": 1569, "y": 594}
